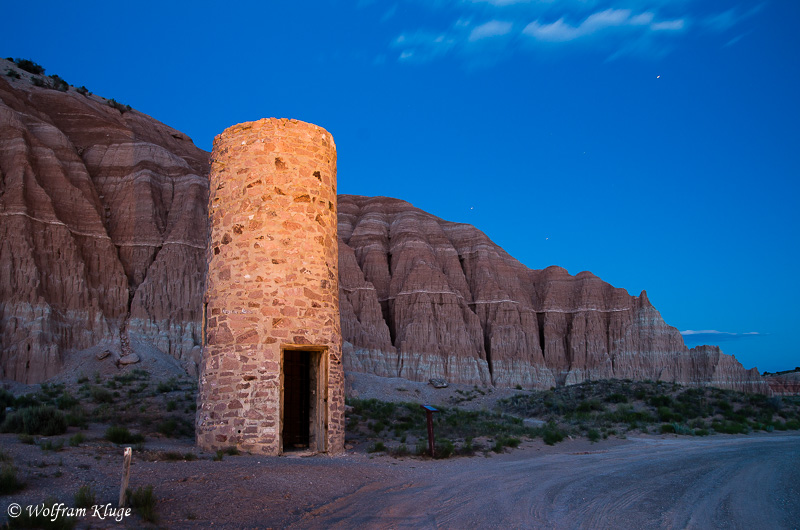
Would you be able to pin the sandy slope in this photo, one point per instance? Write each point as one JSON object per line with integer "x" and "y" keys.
{"x": 645, "y": 482}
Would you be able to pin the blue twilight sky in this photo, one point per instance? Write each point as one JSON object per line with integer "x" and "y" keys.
{"x": 652, "y": 142}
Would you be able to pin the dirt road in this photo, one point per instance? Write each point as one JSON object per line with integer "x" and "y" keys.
{"x": 747, "y": 482}
{"x": 721, "y": 482}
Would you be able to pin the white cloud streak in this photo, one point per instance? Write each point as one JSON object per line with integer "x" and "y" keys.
{"x": 689, "y": 332}
{"x": 616, "y": 27}
{"x": 493, "y": 28}
{"x": 603, "y": 21}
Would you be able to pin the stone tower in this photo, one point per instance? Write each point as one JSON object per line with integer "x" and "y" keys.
{"x": 271, "y": 378}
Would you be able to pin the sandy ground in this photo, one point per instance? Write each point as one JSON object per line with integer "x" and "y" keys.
{"x": 643, "y": 482}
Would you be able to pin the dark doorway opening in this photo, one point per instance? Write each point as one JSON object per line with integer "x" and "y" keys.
{"x": 296, "y": 400}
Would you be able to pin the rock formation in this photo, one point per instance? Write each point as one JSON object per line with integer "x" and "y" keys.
{"x": 102, "y": 229}
{"x": 425, "y": 298}
{"x": 784, "y": 383}
{"x": 102, "y": 234}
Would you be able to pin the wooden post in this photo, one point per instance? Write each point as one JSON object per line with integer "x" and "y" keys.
{"x": 429, "y": 412}
{"x": 126, "y": 473}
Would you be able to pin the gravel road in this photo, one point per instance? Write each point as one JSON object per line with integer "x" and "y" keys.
{"x": 720, "y": 481}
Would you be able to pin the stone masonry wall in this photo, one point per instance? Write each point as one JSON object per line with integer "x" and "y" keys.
{"x": 272, "y": 280}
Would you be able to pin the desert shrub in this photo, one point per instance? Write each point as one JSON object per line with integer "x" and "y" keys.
{"x": 143, "y": 502}
{"x": 29, "y": 66}
{"x": 466, "y": 449}
{"x": 76, "y": 439}
{"x": 730, "y": 427}
{"x": 83, "y": 91}
{"x": 660, "y": 400}
{"x": 551, "y": 434}
{"x": 38, "y": 82}
{"x": 793, "y": 425}
{"x": 377, "y": 447}
{"x": 66, "y": 401}
{"x": 6, "y": 400}
{"x": 12, "y": 74}
{"x": 176, "y": 428}
{"x": 667, "y": 428}
{"x": 443, "y": 448}
{"x": 9, "y": 483}
{"x": 113, "y": 103}
{"x": 76, "y": 417}
{"x": 401, "y": 450}
{"x": 171, "y": 405}
{"x": 51, "y": 445}
{"x": 58, "y": 83}
{"x": 85, "y": 497}
{"x": 45, "y": 421}
{"x": 101, "y": 395}
{"x": 218, "y": 456}
{"x": 590, "y": 405}
{"x": 121, "y": 435}
{"x": 593, "y": 435}
{"x": 616, "y": 397}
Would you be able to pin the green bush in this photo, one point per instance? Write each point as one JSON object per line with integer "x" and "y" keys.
{"x": 66, "y": 401}
{"x": 401, "y": 450}
{"x": 45, "y": 421}
{"x": 121, "y": 435}
{"x": 29, "y": 66}
{"x": 9, "y": 483}
{"x": 12, "y": 74}
{"x": 58, "y": 83}
{"x": 51, "y": 445}
{"x": 144, "y": 503}
{"x": 730, "y": 427}
{"x": 113, "y": 103}
{"x": 6, "y": 400}
{"x": 76, "y": 439}
{"x": 85, "y": 497}
{"x": 101, "y": 395}
{"x": 616, "y": 397}
{"x": 176, "y": 427}
{"x": 551, "y": 434}
{"x": 444, "y": 448}
{"x": 593, "y": 435}
{"x": 377, "y": 447}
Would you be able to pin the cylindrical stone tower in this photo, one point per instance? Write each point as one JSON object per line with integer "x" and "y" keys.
{"x": 271, "y": 378}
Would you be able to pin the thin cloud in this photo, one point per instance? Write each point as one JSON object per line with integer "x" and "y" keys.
{"x": 483, "y": 28}
{"x": 713, "y": 336}
{"x": 493, "y": 28}
{"x": 725, "y": 20}
{"x": 603, "y": 21}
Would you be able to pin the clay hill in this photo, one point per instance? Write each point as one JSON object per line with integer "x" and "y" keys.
{"x": 103, "y": 215}
{"x": 784, "y": 383}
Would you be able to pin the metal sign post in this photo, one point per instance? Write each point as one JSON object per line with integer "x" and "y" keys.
{"x": 429, "y": 412}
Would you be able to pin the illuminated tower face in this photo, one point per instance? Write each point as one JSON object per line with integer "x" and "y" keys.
{"x": 271, "y": 378}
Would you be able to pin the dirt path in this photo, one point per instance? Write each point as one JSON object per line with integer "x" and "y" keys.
{"x": 745, "y": 482}
{"x": 721, "y": 481}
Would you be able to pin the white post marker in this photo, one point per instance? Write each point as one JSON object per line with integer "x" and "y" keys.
{"x": 126, "y": 471}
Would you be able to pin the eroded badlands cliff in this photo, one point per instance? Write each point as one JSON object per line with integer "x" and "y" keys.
{"x": 422, "y": 297}
{"x": 103, "y": 226}
{"x": 102, "y": 229}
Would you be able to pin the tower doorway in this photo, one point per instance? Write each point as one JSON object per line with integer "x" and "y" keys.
{"x": 303, "y": 398}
